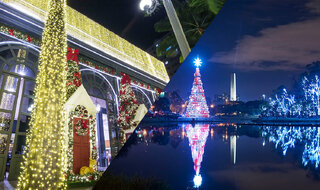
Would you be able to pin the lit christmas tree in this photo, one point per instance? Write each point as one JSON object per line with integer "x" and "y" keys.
{"x": 44, "y": 160}
{"x": 197, "y": 105}
{"x": 197, "y": 140}
{"x": 128, "y": 105}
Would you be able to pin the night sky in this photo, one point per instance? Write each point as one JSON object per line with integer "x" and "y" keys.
{"x": 124, "y": 18}
{"x": 267, "y": 43}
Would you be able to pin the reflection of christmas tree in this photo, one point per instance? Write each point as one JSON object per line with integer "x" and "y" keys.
{"x": 197, "y": 140}
{"x": 197, "y": 106}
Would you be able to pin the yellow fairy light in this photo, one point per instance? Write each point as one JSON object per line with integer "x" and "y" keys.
{"x": 44, "y": 164}
{"x": 81, "y": 27}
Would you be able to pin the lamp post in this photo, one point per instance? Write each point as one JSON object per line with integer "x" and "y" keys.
{"x": 149, "y": 6}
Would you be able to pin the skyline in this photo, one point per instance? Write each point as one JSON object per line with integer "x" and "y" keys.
{"x": 257, "y": 40}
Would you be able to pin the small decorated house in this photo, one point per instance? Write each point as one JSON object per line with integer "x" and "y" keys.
{"x": 82, "y": 151}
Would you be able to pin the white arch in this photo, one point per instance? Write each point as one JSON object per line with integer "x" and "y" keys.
{"x": 114, "y": 93}
{"x": 19, "y": 43}
{"x": 7, "y": 43}
{"x": 143, "y": 93}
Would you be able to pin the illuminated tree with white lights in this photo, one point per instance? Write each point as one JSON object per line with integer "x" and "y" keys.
{"x": 44, "y": 161}
{"x": 311, "y": 90}
{"x": 197, "y": 105}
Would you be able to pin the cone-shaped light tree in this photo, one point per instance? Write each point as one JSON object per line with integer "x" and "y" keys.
{"x": 197, "y": 105}
{"x": 44, "y": 161}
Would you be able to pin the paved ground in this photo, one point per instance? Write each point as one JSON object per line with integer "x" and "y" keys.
{"x": 10, "y": 185}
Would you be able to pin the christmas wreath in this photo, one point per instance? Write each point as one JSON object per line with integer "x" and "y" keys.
{"x": 81, "y": 127}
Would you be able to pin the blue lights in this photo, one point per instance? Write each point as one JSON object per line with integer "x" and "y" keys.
{"x": 288, "y": 137}
{"x": 288, "y": 105}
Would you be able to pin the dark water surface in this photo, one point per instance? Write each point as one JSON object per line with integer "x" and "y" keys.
{"x": 224, "y": 156}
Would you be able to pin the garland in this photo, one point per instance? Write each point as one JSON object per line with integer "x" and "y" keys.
{"x": 20, "y": 35}
{"x": 85, "y": 178}
{"x": 81, "y": 112}
{"x": 81, "y": 127}
{"x": 77, "y": 82}
{"x": 90, "y": 63}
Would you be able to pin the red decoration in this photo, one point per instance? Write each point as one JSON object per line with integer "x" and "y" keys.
{"x": 29, "y": 38}
{"x": 159, "y": 90}
{"x": 84, "y": 124}
{"x": 77, "y": 82}
{"x": 78, "y": 75}
{"x": 73, "y": 54}
{"x": 11, "y": 32}
{"x": 125, "y": 79}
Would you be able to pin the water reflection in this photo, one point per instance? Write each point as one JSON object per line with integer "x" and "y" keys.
{"x": 223, "y": 156}
{"x": 197, "y": 136}
{"x": 288, "y": 137}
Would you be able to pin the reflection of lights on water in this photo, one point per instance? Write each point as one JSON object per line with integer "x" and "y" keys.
{"x": 197, "y": 180}
{"x": 287, "y": 137}
{"x": 145, "y": 132}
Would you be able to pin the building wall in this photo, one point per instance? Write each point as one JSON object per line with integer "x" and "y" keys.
{"x": 100, "y": 74}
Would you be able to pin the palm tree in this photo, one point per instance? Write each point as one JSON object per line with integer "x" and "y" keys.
{"x": 195, "y": 16}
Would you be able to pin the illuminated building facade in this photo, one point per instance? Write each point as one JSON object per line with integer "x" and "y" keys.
{"x": 103, "y": 56}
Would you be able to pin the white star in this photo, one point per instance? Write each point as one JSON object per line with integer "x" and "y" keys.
{"x": 197, "y": 62}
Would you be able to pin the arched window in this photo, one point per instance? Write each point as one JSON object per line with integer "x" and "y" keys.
{"x": 18, "y": 68}
{"x": 142, "y": 97}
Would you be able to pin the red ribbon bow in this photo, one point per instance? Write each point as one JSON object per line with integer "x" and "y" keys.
{"x": 11, "y": 32}
{"x": 29, "y": 38}
{"x": 73, "y": 54}
{"x": 84, "y": 124}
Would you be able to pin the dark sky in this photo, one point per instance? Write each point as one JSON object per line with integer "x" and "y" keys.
{"x": 266, "y": 42}
{"x": 122, "y": 17}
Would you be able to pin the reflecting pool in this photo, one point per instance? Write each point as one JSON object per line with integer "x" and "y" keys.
{"x": 223, "y": 156}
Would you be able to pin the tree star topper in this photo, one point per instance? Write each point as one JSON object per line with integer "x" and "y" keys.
{"x": 197, "y": 62}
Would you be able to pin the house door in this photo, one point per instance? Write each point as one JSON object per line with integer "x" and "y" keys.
{"x": 81, "y": 148}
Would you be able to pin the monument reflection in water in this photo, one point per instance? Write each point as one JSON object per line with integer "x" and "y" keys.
{"x": 224, "y": 156}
